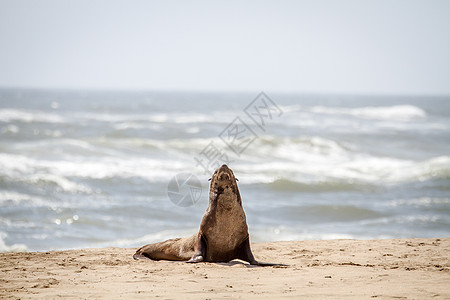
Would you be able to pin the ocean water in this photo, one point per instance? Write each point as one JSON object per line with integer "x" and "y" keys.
{"x": 91, "y": 169}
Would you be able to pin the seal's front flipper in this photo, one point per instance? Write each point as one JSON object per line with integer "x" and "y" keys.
{"x": 200, "y": 252}
{"x": 195, "y": 259}
{"x": 264, "y": 264}
{"x": 245, "y": 253}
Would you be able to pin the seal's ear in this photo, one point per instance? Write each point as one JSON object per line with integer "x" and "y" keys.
{"x": 236, "y": 179}
{"x": 209, "y": 179}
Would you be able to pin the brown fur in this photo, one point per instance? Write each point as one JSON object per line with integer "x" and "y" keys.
{"x": 223, "y": 234}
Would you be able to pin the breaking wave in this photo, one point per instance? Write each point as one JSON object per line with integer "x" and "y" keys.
{"x": 396, "y": 112}
{"x": 29, "y": 116}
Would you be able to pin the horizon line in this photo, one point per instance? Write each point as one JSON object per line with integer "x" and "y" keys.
{"x": 235, "y": 91}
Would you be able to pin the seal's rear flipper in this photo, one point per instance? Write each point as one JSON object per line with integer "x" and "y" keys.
{"x": 137, "y": 256}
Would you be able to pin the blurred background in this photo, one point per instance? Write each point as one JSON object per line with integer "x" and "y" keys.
{"x": 102, "y": 103}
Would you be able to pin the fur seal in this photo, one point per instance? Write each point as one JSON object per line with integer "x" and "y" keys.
{"x": 223, "y": 234}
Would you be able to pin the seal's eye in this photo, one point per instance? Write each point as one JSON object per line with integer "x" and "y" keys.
{"x": 209, "y": 179}
{"x": 236, "y": 179}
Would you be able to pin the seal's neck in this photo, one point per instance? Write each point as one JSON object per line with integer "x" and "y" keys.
{"x": 226, "y": 197}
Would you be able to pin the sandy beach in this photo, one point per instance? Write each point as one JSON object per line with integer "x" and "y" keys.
{"x": 375, "y": 269}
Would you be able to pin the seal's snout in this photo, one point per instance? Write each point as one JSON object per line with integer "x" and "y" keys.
{"x": 224, "y": 173}
{"x": 224, "y": 177}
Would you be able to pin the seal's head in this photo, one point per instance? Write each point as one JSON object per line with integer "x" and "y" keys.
{"x": 223, "y": 182}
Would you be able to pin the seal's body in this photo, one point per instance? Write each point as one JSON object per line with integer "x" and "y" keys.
{"x": 223, "y": 234}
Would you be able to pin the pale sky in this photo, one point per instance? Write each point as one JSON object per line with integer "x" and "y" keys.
{"x": 362, "y": 47}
